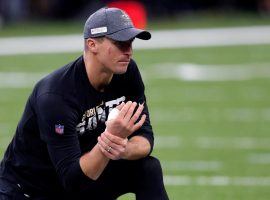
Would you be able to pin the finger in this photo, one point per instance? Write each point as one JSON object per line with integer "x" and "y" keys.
{"x": 114, "y": 152}
{"x": 102, "y": 143}
{"x": 137, "y": 114}
{"x": 139, "y": 124}
{"x": 124, "y": 109}
{"x": 106, "y": 153}
{"x": 130, "y": 111}
{"x": 105, "y": 139}
{"x": 120, "y": 106}
{"x": 115, "y": 139}
{"x": 117, "y": 143}
{"x": 108, "y": 148}
{"x": 110, "y": 143}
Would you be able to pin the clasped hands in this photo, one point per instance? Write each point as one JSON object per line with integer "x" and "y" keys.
{"x": 113, "y": 141}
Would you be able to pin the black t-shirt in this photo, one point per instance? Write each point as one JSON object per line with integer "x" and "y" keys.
{"x": 62, "y": 119}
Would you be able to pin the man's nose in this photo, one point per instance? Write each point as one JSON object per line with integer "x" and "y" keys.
{"x": 128, "y": 50}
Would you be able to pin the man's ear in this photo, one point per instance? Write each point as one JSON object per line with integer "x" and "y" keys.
{"x": 92, "y": 45}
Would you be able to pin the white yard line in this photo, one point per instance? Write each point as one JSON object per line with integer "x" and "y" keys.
{"x": 209, "y": 93}
{"x": 185, "y": 72}
{"x": 232, "y": 143}
{"x": 209, "y": 37}
{"x": 196, "y": 72}
{"x": 216, "y": 181}
{"x": 189, "y": 114}
{"x": 166, "y": 142}
{"x": 207, "y": 142}
{"x": 160, "y": 39}
{"x": 259, "y": 158}
{"x": 190, "y": 72}
{"x": 195, "y": 165}
{"x": 41, "y": 44}
{"x": 19, "y": 79}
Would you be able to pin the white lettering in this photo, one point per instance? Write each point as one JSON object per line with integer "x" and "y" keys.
{"x": 114, "y": 102}
{"x": 92, "y": 116}
{"x": 99, "y": 30}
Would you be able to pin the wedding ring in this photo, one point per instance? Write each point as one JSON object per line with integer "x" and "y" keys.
{"x": 109, "y": 149}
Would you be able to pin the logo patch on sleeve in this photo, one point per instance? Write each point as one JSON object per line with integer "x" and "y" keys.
{"x": 59, "y": 129}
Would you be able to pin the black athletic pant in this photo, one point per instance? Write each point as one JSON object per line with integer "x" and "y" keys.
{"x": 142, "y": 177}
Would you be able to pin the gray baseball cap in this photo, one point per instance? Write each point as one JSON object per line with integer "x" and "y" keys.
{"x": 113, "y": 23}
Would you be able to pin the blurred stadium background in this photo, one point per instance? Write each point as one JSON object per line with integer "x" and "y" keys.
{"x": 206, "y": 73}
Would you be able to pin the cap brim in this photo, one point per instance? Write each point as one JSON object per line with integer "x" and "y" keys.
{"x": 130, "y": 33}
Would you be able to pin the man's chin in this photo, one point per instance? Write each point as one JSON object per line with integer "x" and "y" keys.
{"x": 121, "y": 69}
{"x": 120, "y": 72}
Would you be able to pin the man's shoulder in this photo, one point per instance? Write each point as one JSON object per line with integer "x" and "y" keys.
{"x": 132, "y": 68}
{"x": 133, "y": 63}
{"x": 61, "y": 81}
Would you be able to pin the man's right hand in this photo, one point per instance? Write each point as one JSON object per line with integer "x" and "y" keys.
{"x": 125, "y": 123}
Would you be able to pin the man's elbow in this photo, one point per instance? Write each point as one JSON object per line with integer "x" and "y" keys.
{"x": 71, "y": 185}
{"x": 72, "y": 179}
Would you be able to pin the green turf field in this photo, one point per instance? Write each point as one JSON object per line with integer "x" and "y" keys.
{"x": 212, "y": 136}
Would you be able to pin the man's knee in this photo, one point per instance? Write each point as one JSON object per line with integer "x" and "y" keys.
{"x": 151, "y": 185}
{"x": 151, "y": 166}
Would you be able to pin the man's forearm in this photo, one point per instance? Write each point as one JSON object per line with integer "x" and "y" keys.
{"x": 93, "y": 163}
{"x": 137, "y": 147}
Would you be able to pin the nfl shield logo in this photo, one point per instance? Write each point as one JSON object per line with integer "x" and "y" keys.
{"x": 59, "y": 129}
